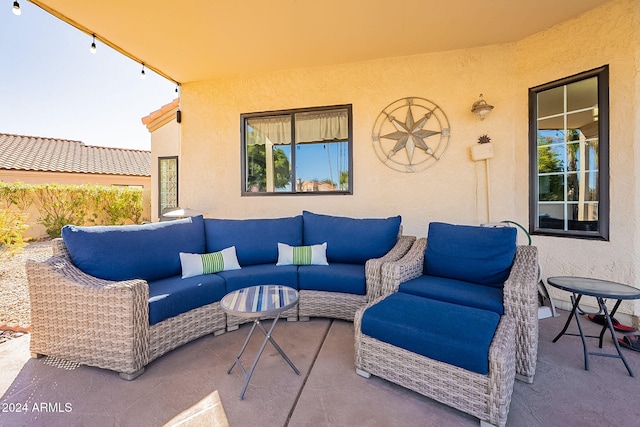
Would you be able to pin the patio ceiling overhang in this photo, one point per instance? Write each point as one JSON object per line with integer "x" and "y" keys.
{"x": 188, "y": 41}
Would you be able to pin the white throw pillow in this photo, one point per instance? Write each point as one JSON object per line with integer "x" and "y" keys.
{"x": 302, "y": 255}
{"x": 198, "y": 264}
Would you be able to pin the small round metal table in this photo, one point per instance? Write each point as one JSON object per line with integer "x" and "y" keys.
{"x": 257, "y": 302}
{"x": 601, "y": 290}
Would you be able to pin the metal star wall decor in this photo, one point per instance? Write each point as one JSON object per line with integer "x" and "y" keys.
{"x": 410, "y": 145}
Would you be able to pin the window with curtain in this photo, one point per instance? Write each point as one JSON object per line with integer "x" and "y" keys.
{"x": 569, "y": 155}
{"x": 167, "y": 184}
{"x": 303, "y": 151}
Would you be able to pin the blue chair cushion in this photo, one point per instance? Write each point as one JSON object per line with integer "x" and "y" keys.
{"x": 263, "y": 274}
{"x": 122, "y": 252}
{"x": 456, "y": 291}
{"x": 172, "y": 296}
{"x": 256, "y": 240}
{"x": 351, "y": 240}
{"x": 481, "y": 255}
{"x": 335, "y": 277}
{"x": 454, "y": 334}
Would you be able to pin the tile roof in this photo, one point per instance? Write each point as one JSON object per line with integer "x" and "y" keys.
{"x": 34, "y": 153}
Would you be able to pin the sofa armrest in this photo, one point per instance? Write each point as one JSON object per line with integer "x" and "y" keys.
{"x": 373, "y": 267}
{"x": 520, "y": 301}
{"x": 81, "y": 318}
{"x": 59, "y": 248}
{"x": 406, "y": 268}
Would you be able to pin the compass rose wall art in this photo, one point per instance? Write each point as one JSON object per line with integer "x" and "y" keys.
{"x": 411, "y": 134}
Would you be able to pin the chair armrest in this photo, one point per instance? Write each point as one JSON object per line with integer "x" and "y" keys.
{"x": 373, "y": 267}
{"x": 59, "y": 248}
{"x": 81, "y": 318}
{"x": 406, "y": 268}
{"x": 520, "y": 301}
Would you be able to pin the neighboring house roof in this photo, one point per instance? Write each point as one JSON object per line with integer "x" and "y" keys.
{"x": 33, "y": 153}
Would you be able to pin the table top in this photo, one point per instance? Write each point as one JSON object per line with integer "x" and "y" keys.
{"x": 258, "y": 301}
{"x": 594, "y": 287}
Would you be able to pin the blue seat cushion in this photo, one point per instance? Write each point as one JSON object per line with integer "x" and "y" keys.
{"x": 351, "y": 240}
{"x": 256, "y": 240}
{"x": 481, "y": 255}
{"x": 456, "y": 291}
{"x": 335, "y": 277}
{"x": 454, "y": 334}
{"x": 122, "y": 252}
{"x": 263, "y": 274}
{"x": 174, "y": 295}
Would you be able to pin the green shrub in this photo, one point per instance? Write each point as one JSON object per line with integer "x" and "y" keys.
{"x": 85, "y": 204}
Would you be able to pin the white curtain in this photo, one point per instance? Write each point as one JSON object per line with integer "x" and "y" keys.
{"x": 276, "y": 130}
{"x": 322, "y": 126}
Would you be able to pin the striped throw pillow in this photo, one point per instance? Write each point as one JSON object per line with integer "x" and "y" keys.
{"x": 302, "y": 255}
{"x": 198, "y": 264}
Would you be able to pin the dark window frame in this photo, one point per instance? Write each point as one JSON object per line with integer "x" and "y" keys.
{"x": 292, "y": 112}
{"x": 160, "y": 159}
{"x": 602, "y": 233}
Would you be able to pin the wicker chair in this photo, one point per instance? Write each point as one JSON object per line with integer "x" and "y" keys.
{"x": 342, "y": 305}
{"x": 520, "y": 298}
{"x": 512, "y": 354}
{"x": 101, "y": 323}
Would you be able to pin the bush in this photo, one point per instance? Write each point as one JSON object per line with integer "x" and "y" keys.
{"x": 13, "y": 224}
{"x": 85, "y": 204}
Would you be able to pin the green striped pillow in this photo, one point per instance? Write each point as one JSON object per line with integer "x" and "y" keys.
{"x": 302, "y": 255}
{"x": 198, "y": 264}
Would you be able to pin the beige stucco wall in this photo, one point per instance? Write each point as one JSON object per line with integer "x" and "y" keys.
{"x": 36, "y": 230}
{"x": 165, "y": 142}
{"x": 454, "y": 189}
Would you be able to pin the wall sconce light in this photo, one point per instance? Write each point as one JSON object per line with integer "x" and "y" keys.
{"x": 16, "y": 8}
{"x": 481, "y": 108}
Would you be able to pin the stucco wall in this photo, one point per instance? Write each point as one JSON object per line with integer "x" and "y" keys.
{"x": 454, "y": 189}
{"x": 165, "y": 142}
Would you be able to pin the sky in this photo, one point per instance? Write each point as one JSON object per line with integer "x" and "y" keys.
{"x": 51, "y": 85}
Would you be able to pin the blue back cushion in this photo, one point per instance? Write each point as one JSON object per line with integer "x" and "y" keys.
{"x": 351, "y": 240}
{"x": 481, "y": 255}
{"x": 121, "y": 252}
{"x": 256, "y": 240}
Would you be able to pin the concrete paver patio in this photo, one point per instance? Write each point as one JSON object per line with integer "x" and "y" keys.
{"x": 190, "y": 386}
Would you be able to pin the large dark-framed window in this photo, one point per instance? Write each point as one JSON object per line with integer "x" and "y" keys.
{"x": 167, "y": 184}
{"x": 297, "y": 152}
{"x": 569, "y": 156}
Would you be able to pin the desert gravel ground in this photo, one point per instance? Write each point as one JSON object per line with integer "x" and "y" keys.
{"x": 14, "y": 294}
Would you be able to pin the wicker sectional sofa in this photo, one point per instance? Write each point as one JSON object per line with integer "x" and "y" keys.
{"x": 468, "y": 322}
{"x": 114, "y": 297}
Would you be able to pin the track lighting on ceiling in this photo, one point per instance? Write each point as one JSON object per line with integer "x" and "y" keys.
{"x": 143, "y": 75}
{"x": 16, "y": 8}
{"x": 93, "y": 49}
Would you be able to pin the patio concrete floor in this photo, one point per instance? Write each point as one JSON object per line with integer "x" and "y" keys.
{"x": 190, "y": 386}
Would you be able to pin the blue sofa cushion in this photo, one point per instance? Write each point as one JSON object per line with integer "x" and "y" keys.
{"x": 121, "y": 252}
{"x": 263, "y": 274}
{"x": 481, "y": 255}
{"x": 173, "y": 295}
{"x": 256, "y": 240}
{"x": 454, "y": 334}
{"x": 456, "y": 291}
{"x": 351, "y": 240}
{"x": 335, "y": 277}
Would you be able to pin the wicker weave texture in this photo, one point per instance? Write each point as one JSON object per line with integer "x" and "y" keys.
{"x": 178, "y": 330}
{"x": 373, "y": 267}
{"x": 486, "y": 397}
{"x": 521, "y": 302}
{"x": 335, "y": 305}
{"x": 80, "y": 318}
